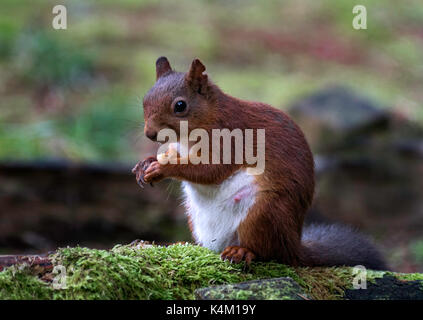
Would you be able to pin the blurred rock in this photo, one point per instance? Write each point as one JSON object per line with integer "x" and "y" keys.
{"x": 368, "y": 164}
{"x": 388, "y": 287}
{"x": 267, "y": 289}
{"x": 335, "y": 116}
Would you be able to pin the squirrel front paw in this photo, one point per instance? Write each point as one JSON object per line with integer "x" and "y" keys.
{"x": 155, "y": 172}
{"x": 236, "y": 254}
{"x": 140, "y": 169}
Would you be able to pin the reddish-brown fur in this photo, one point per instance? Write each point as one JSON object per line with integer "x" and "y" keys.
{"x": 273, "y": 226}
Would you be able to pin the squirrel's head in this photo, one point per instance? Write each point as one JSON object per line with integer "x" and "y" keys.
{"x": 176, "y": 97}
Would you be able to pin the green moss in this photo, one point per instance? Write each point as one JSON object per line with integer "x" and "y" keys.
{"x": 372, "y": 275}
{"x": 22, "y": 285}
{"x": 325, "y": 283}
{"x": 156, "y": 272}
{"x": 409, "y": 276}
{"x": 126, "y": 272}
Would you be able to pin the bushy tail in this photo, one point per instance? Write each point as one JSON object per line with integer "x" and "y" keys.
{"x": 337, "y": 245}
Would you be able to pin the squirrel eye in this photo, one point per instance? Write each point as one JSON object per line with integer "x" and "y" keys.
{"x": 180, "y": 106}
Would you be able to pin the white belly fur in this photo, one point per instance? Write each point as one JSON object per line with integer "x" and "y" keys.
{"x": 214, "y": 212}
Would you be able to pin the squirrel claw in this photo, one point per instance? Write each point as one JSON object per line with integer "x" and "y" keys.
{"x": 140, "y": 182}
{"x": 142, "y": 179}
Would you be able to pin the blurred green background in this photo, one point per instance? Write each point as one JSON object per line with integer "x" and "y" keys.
{"x": 76, "y": 94}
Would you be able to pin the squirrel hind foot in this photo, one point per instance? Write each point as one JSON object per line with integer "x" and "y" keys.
{"x": 237, "y": 254}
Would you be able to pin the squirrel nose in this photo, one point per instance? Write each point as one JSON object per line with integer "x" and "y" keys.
{"x": 151, "y": 135}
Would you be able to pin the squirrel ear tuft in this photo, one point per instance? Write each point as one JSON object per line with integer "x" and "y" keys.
{"x": 162, "y": 67}
{"x": 196, "y": 77}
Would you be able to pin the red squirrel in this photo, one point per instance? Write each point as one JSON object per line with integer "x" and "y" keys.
{"x": 246, "y": 217}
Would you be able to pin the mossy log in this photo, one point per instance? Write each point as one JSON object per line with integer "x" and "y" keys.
{"x": 185, "y": 271}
